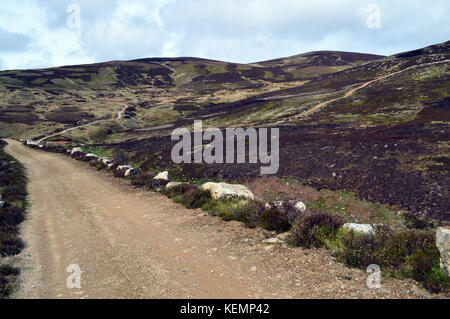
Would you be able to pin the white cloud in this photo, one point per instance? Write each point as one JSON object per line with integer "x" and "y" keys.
{"x": 232, "y": 30}
{"x": 48, "y": 46}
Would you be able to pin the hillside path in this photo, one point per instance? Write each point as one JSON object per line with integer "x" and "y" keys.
{"x": 131, "y": 243}
{"x": 68, "y": 130}
{"x": 353, "y": 91}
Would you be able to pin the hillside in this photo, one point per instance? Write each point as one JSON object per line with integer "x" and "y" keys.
{"x": 421, "y": 80}
{"x": 162, "y": 90}
{"x": 375, "y": 126}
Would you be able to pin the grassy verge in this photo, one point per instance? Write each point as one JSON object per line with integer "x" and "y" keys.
{"x": 13, "y": 192}
{"x": 346, "y": 204}
{"x": 95, "y": 150}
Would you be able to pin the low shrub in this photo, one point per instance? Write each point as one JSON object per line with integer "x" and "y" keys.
{"x": 249, "y": 212}
{"x": 359, "y": 250}
{"x": 120, "y": 173}
{"x": 13, "y": 189}
{"x": 11, "y": 216}
{"x": 15, "y": 192}
{"x": 238, "y": 209}
{"x": 159, "y": 184}
{"x": 78, "y": 155}
{"x": 8, "y": 275}
{"x": 414, "y": 222}
{"x": 400, "y": 245}
{"x": 274, "y": 219}
{"x": 289, "y": 210}
{"x": 315, "y": 229}
{"x": 435, "y": 280}
{"x": 408, "y": 253}
{"x": 98, "y": 165}
{"x": 54, "y": 149}
{"x": 422, "y": 263}
{"x": 188, "y": 195}
{"x": 178, "y": 190}
{"x": 143, "y": 179}
{"x": 7, "y": 270}
{"x": 91, "y": 160}
{"x": 193, "y": 198}
{"x": 119, "y": 156}
{"x": 10, "y": 244}
{"x": 114, "y": 167}
{"x": 9, "y": 229}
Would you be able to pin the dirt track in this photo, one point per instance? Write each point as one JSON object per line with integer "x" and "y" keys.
{"x": 135, "y": 244}
{"x": 69, "y": 129}
{"x": 353, "y": 91}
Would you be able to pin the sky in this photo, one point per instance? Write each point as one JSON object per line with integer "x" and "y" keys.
{"x": 48, "y": 33}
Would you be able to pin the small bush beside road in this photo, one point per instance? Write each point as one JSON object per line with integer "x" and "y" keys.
{"x": 12, "y": 212}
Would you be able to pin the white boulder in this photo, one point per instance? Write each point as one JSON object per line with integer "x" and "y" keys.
{"x": 110, "y": 165}
{"x": 2, "y": 203}
{"x": 131, "y": 172}
{"x": 274, "y": 240}
{"x": 30, "y": 142}
{"x": 365, "y": 229}
{"x": 105, "y": 160}
{"x": 174, "y": 184}
{"x": 163, "y": 175}
{"x": 443, "y": 244}
{"x": 121, "y": 167}
{"x": 90, "y": 155}
{"x": 284, "y": 236}
{"x": 300, "y": 206}
{"x": 224, "y": 190}
{"x": 75, "y": 150}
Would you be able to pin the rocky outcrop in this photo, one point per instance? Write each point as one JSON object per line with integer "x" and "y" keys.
{"x": 224, "y": 190}
{"x": 443, "y": 244}
{"x": 163, "y": 175}
{"x": 365, "y": 229}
